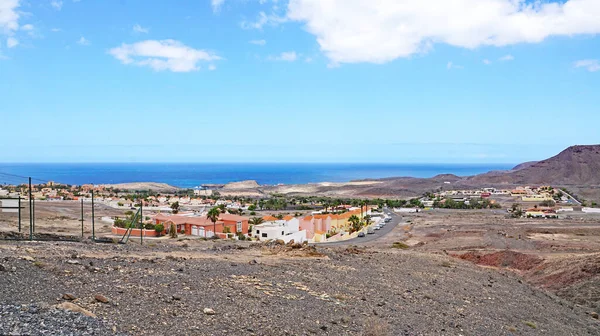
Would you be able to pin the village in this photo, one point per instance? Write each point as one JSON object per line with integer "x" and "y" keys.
{"x": 204, "y": 214}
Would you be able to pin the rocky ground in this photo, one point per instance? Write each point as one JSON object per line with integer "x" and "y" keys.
{"x": 224, "y": 288}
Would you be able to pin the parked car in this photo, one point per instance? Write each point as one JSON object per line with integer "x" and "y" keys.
{"x": 377, "y": 227}
{"x": 370, "y": 230}
{"x": 361, "y": 234}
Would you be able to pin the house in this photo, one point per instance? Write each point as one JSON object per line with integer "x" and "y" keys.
{"x": 286, "y": 229}
{"x": 201, "y": 226}
{"x": 536, "y": 198}
{"x": 541, "y": 212}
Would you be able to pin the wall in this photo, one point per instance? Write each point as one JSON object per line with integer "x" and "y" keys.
{"x": 134, "y": 232}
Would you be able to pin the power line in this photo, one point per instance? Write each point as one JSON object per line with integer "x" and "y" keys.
{"x": 23, "y": 177}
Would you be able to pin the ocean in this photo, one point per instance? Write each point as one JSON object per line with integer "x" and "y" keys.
{"x": 190, "y": 175}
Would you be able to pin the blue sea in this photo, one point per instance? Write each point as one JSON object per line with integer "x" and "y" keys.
{"x": 189, "y": 175}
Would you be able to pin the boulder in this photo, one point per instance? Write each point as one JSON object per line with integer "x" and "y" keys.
{"x": 101, "y": 298}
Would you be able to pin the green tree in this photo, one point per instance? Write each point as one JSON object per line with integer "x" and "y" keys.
{"x": 256, "y": 220}
{"x": 252, "y": 207}
{"x": 175, "y": 207}
{"x": 213, "y": 215}
{"x": 354, "y": 223}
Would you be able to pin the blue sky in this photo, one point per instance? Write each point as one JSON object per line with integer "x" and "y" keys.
{"x": 297, "y": 81}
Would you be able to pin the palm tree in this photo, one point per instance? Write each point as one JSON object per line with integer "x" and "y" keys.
{"x": 355, "y": 222}
{"x": 213, "y": 215}
{"x": 256, "y": 220}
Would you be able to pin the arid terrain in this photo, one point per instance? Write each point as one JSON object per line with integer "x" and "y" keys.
{"x": 462, "y": 272}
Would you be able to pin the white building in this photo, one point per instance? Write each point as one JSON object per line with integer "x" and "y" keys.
{"x": 280, "y": 229}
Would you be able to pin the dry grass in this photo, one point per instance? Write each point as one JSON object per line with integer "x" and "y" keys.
{"x": 376, "y": 327}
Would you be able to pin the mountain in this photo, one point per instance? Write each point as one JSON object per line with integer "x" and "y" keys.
{"x": 576, "y": 165}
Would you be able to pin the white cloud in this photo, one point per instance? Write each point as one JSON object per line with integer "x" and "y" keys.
{"x": 212, "y": 67}
{"x": 263, "y": 19}
{"x": 487, "y": 62}
{"x": 56, "y": 29}
{"x": 451, "y": 66}
{"x": 27, "y": 27}
{"x": 258, "y": 42}
{"x": 162, "y": 55}
{"x": 139, "y": 29}
{"x": 83, "y": 41}
{"x": 216, "y": 5}
{"x": 9, "y": 16}
{"x": 56, "y": 4}
{"x": 591, "y": 65}
{"x": 507, "y": 58}
{"x": 352, "y": 31}
{"x": 12, "y": 42}
{"x": 258, "y": 24}
{"x": 288, "y": 56}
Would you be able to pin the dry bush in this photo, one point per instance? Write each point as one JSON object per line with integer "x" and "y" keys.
{"x": 376, "y": 327}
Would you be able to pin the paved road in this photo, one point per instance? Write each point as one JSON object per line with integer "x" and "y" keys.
{"x": 396, "y": 219}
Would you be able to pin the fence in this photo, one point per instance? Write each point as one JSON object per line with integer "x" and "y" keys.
{"x": 34, "y": 209}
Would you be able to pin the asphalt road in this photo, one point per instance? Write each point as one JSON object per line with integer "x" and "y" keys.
{"x": 396, "y": 219}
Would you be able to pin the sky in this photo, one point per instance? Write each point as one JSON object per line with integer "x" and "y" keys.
{"x": 445, "y": 81}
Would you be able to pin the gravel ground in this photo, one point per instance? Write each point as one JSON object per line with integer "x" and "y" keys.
{"x": 39, "y": 319}
{"x": 208, "y": 288}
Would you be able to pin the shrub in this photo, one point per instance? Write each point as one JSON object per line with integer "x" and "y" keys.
{"x": 159, "y": 228}
{"x": 400, "y": 245}
{"x": 241, "y": 236}
{"x": 150, "y": 226}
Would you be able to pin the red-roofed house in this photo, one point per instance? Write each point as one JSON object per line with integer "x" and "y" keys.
{"x": 202, "y": 226}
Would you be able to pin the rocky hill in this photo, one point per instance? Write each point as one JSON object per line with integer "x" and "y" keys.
{"x": 576, "y": 165}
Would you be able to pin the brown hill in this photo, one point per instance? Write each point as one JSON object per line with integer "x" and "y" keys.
{"x": 576, "y": 165}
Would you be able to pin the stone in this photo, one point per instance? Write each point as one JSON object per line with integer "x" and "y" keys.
{"x": 75, "y": 308}
{"x": 73, "y": 262}
{"x": 594, "y": 315}
{"x": 28, "y": 258}
{"x": 68, "y": 297}
{"x": 279, "y": 242}
{"x": 253, "y": 262}
{"x": 176, "y": 298}
{"x": 208, "y": 311}
{"x": 101, "y": 298}
{"x": 3, "y": 268}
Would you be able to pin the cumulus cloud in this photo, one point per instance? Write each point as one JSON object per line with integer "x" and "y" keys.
{"x": 9, "y": 16}
{"x": 288, "y": 56}
{"x": 352, "y": 31}
{"x": 487, "y": 62}
{"x": 12, "y": 42}
{"x": 258, "y": 42}
{"x": 591, "y": 65}
{"x": 56, "y": 4}
{"x": 507, "y": 58}
{"x": 162, "y": 55}
{"x": 27, "y": 27}
{"x": 139, "y": 29}
{"x": 83, "y": 41}
{"x": 216, "y": 5}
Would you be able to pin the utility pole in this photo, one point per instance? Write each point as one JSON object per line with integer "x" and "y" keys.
{"x": 19, "y": 212}
{"x": 93, "y": 223}
{"x": 82, "y": 217}
{"x": 142, "y": 222}
{"x": 30, "y": 213}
